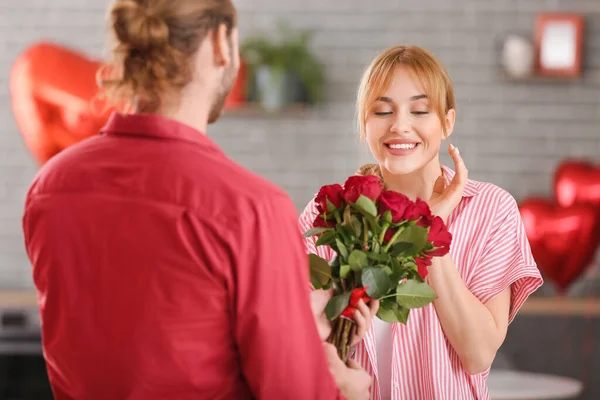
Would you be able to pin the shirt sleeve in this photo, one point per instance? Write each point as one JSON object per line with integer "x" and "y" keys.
{"x": 506, "y": 260}
{"x": 281, "y": 354}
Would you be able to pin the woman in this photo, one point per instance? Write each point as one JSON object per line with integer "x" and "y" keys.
{"x": 406, "y": 110}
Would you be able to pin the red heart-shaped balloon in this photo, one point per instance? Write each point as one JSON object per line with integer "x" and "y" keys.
{"x": 577, "y": 182}
{"x": 54, "y": 98}
{"x": 563, "y": 239}
{"x": 52, "y": 94}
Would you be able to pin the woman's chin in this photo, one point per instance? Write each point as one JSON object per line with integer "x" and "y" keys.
{"x": 400, "y": 167}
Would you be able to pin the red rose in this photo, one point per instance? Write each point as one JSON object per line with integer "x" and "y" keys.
{"x": 395, "y": 202}
{"x": 440, "y": 237}
{"x": 389, "y": 234}
{"x": 419, "y": 210}
{"x": 369, "y": 186}
{"x": 331, "y": 192}
{"x": 422, "y": 264}
{"x": 356, "y": 295}
{"x": 320, "y": 222}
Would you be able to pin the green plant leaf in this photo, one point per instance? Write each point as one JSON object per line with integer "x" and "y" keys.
{"x": 387, "y": 217}
{"x": 374, "y": 225}
{"x": 416, "y": 235}
{"x": 377, "y": 281}
{"x": 358, "y": 260}
{"x": 347, "y": 215}
{"x": 330, "y": 206}
{"x": 320, "y": 271}
{"x": 327, "y": 238}
{"x": 376, "y": 248}
{"x": 390, "y": 311}
{"x": 336, "y": 305}
{"x": 378, "y": 257}
{"x": 367, "y": 205}
{"x": 402, "y": 249}
{"x": 342, "y": 249}
{"x": 315, "y": 231}
{"x": 356, "y": 226}
{"x": 344, "y": 271}
{"x": 414, "y": 294}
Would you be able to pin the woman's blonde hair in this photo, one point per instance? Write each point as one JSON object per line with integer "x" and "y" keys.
{"x": 378, "y": 76}
{"x": 153, "y": 43}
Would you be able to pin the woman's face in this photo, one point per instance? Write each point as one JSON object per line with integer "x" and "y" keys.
{"x": 403, "y": 131}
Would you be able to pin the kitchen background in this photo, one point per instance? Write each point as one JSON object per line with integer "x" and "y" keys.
{"x": 513, "y": 131}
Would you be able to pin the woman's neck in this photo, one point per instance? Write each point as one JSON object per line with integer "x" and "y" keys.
{"x": 418, "y": 184}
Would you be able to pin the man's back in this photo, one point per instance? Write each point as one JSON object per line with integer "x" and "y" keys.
{"x": 158, "y": 263}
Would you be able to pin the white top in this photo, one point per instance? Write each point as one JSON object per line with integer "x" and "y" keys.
{"x": 384, "y": 344}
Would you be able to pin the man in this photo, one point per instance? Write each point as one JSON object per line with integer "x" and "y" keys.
{"x": 165, "y": 270}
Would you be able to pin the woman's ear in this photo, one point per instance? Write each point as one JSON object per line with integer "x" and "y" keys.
{"x": 449, "y": 124}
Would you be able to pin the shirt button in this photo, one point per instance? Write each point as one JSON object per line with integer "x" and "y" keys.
{"x": 396, "y": 385}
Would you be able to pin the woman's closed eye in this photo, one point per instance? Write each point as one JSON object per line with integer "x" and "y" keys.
{"x": 383, "y": 113}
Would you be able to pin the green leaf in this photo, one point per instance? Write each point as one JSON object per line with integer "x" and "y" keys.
{"x": 347, "y": 215}
{"x": 356, "y": 226}
{"x": 326, "y": 239}
{"x": 414, "y": 294}
{"x": 315, "y": 231}
{"x": 403, "y": 249}
{"x": 377, "y": 281}
{"x": 416, "y": 235}
{"x": 358, "y": 260}
{"x": 367, "y": 205}
{"x": 374, "y": 225}
{"x": 387, "y": 217}
{"x": 398, "y": 271}
{"x": 344, "y": 271}
{"x": 330, "y": 206}
{"x": 320, "y": 271}
{"x": 336, "y": 305}
{"x": 390, "y": 311}
{"x": 378, "y": 257}
{"x": 342, "y": 249}
{"x": 376, "y": 247}
{"x": 388, "y": 270}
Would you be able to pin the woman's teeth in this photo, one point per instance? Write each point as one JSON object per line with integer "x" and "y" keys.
{"x": 403, "y": 146}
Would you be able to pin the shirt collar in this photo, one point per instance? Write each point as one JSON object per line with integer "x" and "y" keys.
{"x": 471, "y": 188}
{"x": 154, "y": 126}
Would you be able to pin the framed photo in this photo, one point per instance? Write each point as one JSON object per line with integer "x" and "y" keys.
{"x": 559, "y": 44}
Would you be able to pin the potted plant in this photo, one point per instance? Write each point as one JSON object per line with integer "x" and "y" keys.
{"x": 283, "y": 70}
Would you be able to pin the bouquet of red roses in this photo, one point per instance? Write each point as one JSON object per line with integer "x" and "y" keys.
{"x": 384, "y": 244}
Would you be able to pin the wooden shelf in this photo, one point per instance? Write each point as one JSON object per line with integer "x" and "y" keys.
{"x": 561, "y": 306}
{"x": 539, "y": 78}
{"x": 18, "y": 299}
{"x": 255, "y": 110}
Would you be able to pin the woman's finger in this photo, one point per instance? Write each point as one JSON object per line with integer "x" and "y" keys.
{"x": 374, "y": 307}
{"x": 461, "y": 175}
{"x": 361, "y": 328}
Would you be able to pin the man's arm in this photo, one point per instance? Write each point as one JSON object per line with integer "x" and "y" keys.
{"x": 281, "y": 353}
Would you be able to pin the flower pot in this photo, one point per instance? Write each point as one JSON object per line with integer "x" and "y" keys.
{"x": 275, "y": 87}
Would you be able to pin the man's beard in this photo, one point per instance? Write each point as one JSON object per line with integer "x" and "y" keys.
{"x": 229, "y": 77}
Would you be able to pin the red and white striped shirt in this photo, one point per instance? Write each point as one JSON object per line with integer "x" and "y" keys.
{"x": 491, "y": 252}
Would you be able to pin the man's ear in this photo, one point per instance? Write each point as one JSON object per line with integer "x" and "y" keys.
{"x": 221, "y": 43}
{"x": 449, "y": 124}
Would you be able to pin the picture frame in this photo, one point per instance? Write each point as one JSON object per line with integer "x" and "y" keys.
{"x": 559, "y": 44}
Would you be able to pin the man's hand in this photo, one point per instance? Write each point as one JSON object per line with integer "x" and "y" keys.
{"x": 353, "y": 381}
{"x": 318, "y": 301}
